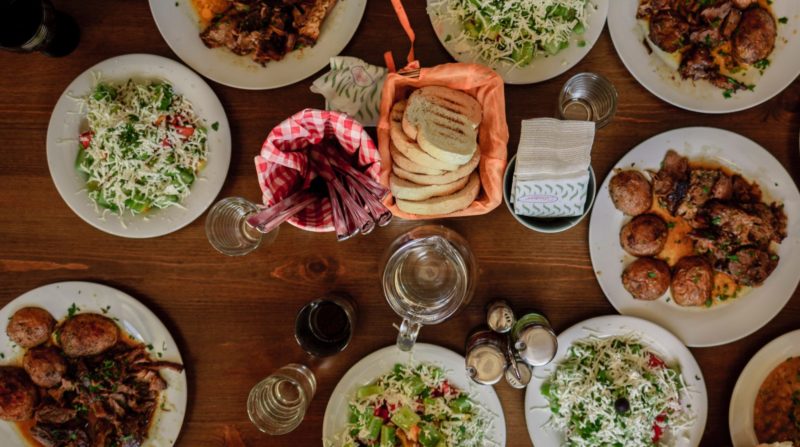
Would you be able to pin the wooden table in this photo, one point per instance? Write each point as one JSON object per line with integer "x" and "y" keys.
{"x": 233, "y": 317}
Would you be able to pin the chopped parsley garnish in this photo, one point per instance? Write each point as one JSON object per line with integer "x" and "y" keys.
{"x": 761, "y": 64}
{"x": 716, "y": 221}
{"x": 670, "y": 224}
{"x": 733, "y": 258}
{"x": 215, "y": 125}
{"x": 74, "y": 309}
{"x": 783, "y": 20}
{"x": 728, "y": 93}
{"x": 709, "y": 302}
{"x": 651, "y": 274}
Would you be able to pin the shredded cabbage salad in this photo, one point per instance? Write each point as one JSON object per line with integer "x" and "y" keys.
{"x": 513, "y": 31}
{"x": 144, "y": 148}
{"x": 615, "y": 392}
{"x": 414, "y": 405}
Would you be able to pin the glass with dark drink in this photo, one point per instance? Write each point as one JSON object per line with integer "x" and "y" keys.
{"x": 324, "y": 326}
{"x": 35, "y": 25}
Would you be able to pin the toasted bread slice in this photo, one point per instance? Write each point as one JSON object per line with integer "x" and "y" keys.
{"x": 409, "y": 147}
{"x": 439, "y": 179}
{"x": 407, "y": 165}
{"x": 444, "y": 204}
{"x": 454, "y": 145}
{"x": 441, "y": 99}
{"x": 403, "y": 189}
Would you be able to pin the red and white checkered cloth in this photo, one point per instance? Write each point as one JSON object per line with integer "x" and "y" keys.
{"x": 283, "y": 167}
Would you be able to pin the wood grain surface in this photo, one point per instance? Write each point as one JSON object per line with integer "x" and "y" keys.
{"x": 233, "y": 317}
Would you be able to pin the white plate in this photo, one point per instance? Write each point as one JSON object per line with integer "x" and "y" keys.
{"x": 743, "y": 401}
{"x": 179, "y": 24}
{"x": 383, "y": 360}
{"x": 659, "y": 340}
{"x": 67, "y": 122}
{"x": 136, "y": 319}
{"x": 701, "y": 96}
{"x": 724, "y": 322}
{"x": 540, "y": 69}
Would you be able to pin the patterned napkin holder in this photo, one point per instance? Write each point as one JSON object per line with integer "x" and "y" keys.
{"x": 551, "y": 176}
{"x": 352, "y": 86}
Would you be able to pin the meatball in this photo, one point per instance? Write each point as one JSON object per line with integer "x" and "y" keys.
{"x": 30, "y": 326}
{"x": 644, "y": 235}
{"x": 668, "y": 31}
{"x": 631, "y": 192}
{"x": 646, "y": 278}
{"x": 18, "y": 394}
{"x": 88, "y": 334}
{"x": 692, "y": 281}
{"x": 45, "y": 366}
{"x": 751, "y": 266}
{"x": 755, "y": 37}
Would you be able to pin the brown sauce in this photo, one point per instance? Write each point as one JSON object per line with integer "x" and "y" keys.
{"x": 777, "y": 408}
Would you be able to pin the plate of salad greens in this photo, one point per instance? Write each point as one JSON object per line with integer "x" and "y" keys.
{"x": 138, "y": 146}
{"x": 525, "y": 41}
{"x": 424, "y": 398}
{"x": 617, "y": 381}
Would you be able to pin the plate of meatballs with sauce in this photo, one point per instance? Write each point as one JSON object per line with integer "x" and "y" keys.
{"x": 711, "y": 56}
{"x": 696, "y": 229}
{"x": 83, "y": 364}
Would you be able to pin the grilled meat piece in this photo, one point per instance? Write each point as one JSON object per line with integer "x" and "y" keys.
{"x": 709, "y": 37}
{"x": 751, "y": 266}
{"x": 744, "y": 191}
{"x": 699, "y": 64}
{"x": 668, "y": 31}
{"x": 701, "y": 184}
{"x": 731, "y": 23}
{"x": 692, "y": 281}
{"x": 671, "y": 182}
{"x": 18, "y": 395}
{"x": 45, "y": 366}
{"x": 88, "y": 334}
{"x": 723, "y": 188}
{"x": 755, "y": 37}
{"x": 631, "y": 192}
{"x": 310, "y": 24}
{"x": 734, "y": 222}
{"x": 644, "y": 235}
{"x": 53, "y": 414}
{"x": 714, "y": 245}
{"x": 773, "y": 223}
{"x": 50, "y": 435}
{"x": 714, "y": 15}
{"x": 646, "y": 278}
{"x": 30, "y": 326}
{"x": 647, "y": 8}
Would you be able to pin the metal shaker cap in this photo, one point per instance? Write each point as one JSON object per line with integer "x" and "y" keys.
{"x": 525, "y": 375}
{"x": 536, "y": 345}
{"x": 486, "y": 364}
{"x": 500, "y": 317}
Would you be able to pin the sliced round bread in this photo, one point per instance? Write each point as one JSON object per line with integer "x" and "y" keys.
{"x": 409, "y": 147}
{"x": 407, "y": 165}
{"x": 403, "y": 189}
{"x": 444, "y": 204}
{"x": 441, "y": 99}
{"x": 438, "y": 179}
{"x": 443, "y": 142}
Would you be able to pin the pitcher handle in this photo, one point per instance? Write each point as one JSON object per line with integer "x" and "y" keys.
{"x": 409, "y": 330}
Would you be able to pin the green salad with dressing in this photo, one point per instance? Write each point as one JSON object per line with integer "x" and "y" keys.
{"x": 143, "y": 149}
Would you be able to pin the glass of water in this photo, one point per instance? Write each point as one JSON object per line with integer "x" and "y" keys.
{"x": 428, "y": 275}
{"x": 588, "y": 97}
{"x": 228, "y": 231}
{"x": 278, "y": 404}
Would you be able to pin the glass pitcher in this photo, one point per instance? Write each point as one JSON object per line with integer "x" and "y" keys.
{"x": 428, "y": 275}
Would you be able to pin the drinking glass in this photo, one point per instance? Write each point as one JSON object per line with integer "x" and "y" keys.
{"x": 34, "y": 25}
{"x": 428, "y": 275}
{"x": 325, "y": 326}
{"x": 278, "y": 404}
{"x": 228, "y": 231}
{"x": 588, "y": 97}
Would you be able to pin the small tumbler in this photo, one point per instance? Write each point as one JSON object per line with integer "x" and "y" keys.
{"x": 228, "y": 231}
{"x": 278, "y": 404}
{"x": 588, "y": 97}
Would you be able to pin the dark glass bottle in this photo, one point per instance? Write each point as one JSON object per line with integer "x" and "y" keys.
{"x": 35, "y": 25}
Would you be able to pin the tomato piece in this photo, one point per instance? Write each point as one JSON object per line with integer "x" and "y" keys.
{"x": 185, "y": 131}
{"x": 656, "y": 362}
{"x": 86, "y": 138}
{"x": 658, "y": 432}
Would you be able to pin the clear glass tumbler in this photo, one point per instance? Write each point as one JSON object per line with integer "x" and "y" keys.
{"x": 278, "y": 404}
{"x": 228, "y": 231}
{"x": 588, "y": 97}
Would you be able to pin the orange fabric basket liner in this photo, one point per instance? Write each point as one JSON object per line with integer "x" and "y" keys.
{"x": 487, "y": 87}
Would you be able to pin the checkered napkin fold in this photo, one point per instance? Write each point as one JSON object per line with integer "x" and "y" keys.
{"x": 283, "y": 167}
{"x": 552, "y": 168}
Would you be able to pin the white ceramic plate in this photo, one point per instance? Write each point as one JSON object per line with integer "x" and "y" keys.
{"x": 381, "y": 361}
{"x": 701, "y": 96}
{"x": 743, "y": 401}
{"x": 540, "y": 69}
{"x": 659, "y": 340}
{"x": 68, "y": 121}
{"x": 134, "y": 318}
{"x": 179, "y": 24}
{"x": 724, "y": 322}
